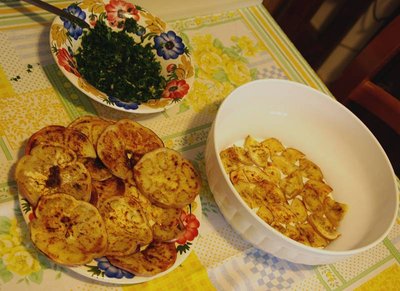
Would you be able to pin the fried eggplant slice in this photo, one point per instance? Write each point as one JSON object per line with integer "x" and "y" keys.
{"x": 265, "y": 214}
{"x": 121, "y": 145}
{"x": 156, "y": 258}
{"x": 69, "y": 231}
{"x": 283, "y": 164}
{"x": 52, "y": 169}
{"x": 292, "y": 184}
{"x": 167, "y": 178}
{"x": 299, "y": 209}
{"x": 282, "y": 213}
{"x": 274, "y": 174}
{"x": 320, "y": 187}
{"x": 310, "y": 235}
{"x": 168, "y": 225}
{"x": 323, "y": 226}
{"x": 334, "y": 210}
{"x": 62, "y": 135}
{"x": 90, "y": 125}
{"x": 98, "y": 171}
{"x": 310, "y": 170}
{"x": 233, "y": 158}
{"x": 257, "y": 153}
{"x": 103, "y": 190}
{"x": 126, "y": 224}
{"x": 311, "y": 199}
{"x": 274, "y": 145}
{"x": 292, "y": 155}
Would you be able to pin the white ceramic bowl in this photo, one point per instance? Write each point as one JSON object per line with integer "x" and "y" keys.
{"x": 352, "y": 160}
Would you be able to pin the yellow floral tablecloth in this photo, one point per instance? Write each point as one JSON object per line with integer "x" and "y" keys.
{"x": 229, "y": 49}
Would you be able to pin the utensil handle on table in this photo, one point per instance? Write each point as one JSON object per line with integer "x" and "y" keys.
{"x": 60, "y": 12}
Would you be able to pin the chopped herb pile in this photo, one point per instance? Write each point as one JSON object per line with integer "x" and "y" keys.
{"x": 115, "y": 64}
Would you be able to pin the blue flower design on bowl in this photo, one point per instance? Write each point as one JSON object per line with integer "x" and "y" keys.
{"x": 119, "y": 103}
{"x": 169, "y": 45}
{"x": 111, "y": 271}
{"x": 73, "y": 30}
{"x": 141, "y": 30}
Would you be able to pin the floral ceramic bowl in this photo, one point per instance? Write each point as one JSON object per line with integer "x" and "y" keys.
{"x": 100, "y": 269}
{"x": 168, "y": 48}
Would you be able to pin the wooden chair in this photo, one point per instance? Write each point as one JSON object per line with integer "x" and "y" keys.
{"x": 315, "y": 44}
{"x": 372, "y": 78}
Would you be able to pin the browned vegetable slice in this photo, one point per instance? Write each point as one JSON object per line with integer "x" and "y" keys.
{"x": 167, "y": 178}
{"x": 52, "y": 169}
{"x": 69, "y": 231}
{"x": 121, "y": 145}
{"x": 68, "y": 137}
{"x": 126, "y": 224}
{"x": 156, "y": 258}
{"x": 91, "y": 126}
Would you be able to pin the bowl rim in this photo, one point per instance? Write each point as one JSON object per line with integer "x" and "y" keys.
{"x": 325, "y": 252}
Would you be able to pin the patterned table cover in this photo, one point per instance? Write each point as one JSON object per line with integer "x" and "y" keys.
{"x": 229, "y": 49}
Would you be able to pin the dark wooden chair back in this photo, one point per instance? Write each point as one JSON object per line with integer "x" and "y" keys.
{"x": 372, "y": 79}
{"x": 316, "y": 43}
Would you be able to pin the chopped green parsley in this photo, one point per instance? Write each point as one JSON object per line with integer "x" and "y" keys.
{"x": 115, "y": 64}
